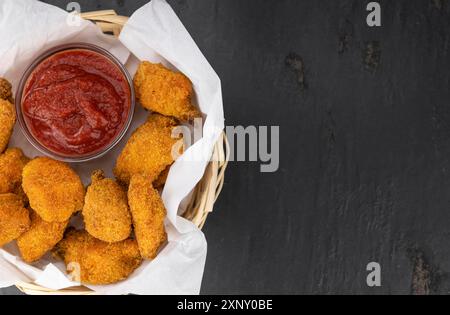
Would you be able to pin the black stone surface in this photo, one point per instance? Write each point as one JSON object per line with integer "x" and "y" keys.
{"x": 364, "y": 115}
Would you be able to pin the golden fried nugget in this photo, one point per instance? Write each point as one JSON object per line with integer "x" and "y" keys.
{"x": 105, "y": 210}
{"x": 6, "y": 90}
{"x": 162, "y": 178}
{"x": 164, "y": 91}
{"x": 54, "y": 189}
{"x": 149, "y": 150}
{"x": 7, "y": 121}
{"x": 148, "y": 212}
{"x": 14, "y": 218}
{"x": 98, "y": 262}
{"x": 40, "y": 238}
{"x": 12, "y": 163}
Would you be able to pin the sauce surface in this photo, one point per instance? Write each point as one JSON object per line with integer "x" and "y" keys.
{"x": 76, "y": 102}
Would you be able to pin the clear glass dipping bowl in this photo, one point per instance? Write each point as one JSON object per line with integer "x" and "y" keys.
{"x": 35, "y": 142}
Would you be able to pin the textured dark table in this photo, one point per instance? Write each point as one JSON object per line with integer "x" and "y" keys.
{"x": 365, "y": 143}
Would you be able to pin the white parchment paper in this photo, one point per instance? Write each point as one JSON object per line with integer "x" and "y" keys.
{"x": 154, "y": 33}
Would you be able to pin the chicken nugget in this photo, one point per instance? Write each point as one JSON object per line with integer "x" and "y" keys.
{"x": 148, "y": 212}
{"x": 14, "y": 218}
{"x": 40, "y": 238}
{"x": 6, "y": 90}
{"x": 106, "y": 214}
{"x": 7, "y": 121}
{"x": 12, "y": 163}
{"x": 98, "y": 262}
{"x": 54, "y": 189}
{"x": 164, "y": 91}
{"x": 149, "y": 150}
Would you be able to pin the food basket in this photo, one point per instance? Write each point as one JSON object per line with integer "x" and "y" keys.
{"x": 205, "y": 193}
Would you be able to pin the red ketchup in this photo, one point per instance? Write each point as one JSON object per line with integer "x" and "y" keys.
{"x": 76, "y": 102}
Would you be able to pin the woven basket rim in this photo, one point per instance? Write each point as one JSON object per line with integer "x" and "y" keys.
{"x": 204, "y": 195}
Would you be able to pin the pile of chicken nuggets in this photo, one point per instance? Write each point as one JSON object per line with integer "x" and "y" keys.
{"x": 123, "y": 217}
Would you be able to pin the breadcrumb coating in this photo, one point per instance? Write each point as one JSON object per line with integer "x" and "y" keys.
{"x": 12, "y": 163}
{"x": 7, "y": 121}
{"x": 40, "y": 238}
{"x": 54, "y": 189}
{"x": 149, "y": 150}
{"x": 99, "y": 262}
{"x": 148, "y": 212}
{"x": 6, "y": 90}
{"x": 14, "y": 218}
{"x": 164, "y": 91}
{"x": 106, "y": 214}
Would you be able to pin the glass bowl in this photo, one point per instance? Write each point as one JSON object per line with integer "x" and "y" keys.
{"x": 72, "y": 158}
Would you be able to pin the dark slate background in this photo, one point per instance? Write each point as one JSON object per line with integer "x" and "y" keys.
{"x": 364, "y": 116}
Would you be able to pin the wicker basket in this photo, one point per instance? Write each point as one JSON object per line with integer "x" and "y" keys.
{"x": 206, "y": 192}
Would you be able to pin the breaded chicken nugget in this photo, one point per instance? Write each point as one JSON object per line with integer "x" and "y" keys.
{"x": 40, "y": 238}
{"x": 98, "y": 262}
{"x": 106, "y": 214}
{"x": 55, "y": 191}
{"x": 149, "y": 149}
{"x": 6, "y": 90}
{"x": 7, "y": 121}
{"x": 14, "y": 218}
{"x": 164, "y": 91}
{"x": 12, "y": 163}
{"x": 148, "y": 212}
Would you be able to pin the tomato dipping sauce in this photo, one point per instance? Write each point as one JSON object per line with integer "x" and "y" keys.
{"x": 76, "y": 102}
